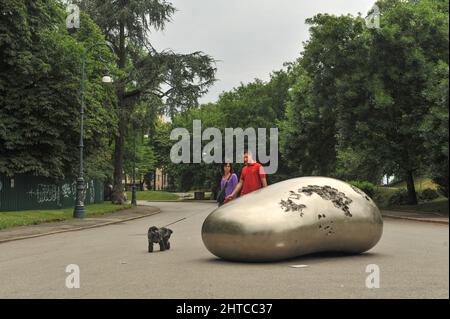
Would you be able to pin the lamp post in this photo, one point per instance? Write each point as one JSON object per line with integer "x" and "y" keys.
{"x": 79, "y": 210}
{"x": 133, "y": 188}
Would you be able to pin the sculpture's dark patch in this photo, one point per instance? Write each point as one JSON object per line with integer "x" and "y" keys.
{"x": 293, "y": 195}
{"x": 326, "y": 227}
{"x": 360, "y": 192}
{"x": 289, "y": 206}
{"x": 339, "y": 199}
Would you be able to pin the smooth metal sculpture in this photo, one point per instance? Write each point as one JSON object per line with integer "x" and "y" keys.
{"x": 293, "y": 218}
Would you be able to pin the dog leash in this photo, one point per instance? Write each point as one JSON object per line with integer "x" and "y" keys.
{"x": 181, "y": 220}
{"x": 175, "y": 222}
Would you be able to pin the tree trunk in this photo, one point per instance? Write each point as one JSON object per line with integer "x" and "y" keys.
{"x": 412, "y": 196}
{"x": 118, "y": 196}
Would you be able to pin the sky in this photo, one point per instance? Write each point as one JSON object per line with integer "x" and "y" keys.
{"x": 248, "y": 38}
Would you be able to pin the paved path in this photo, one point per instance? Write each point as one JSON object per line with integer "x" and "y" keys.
{"x": 412, "y": 256}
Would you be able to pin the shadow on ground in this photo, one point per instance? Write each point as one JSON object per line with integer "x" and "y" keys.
{"x": 307, "y": 259}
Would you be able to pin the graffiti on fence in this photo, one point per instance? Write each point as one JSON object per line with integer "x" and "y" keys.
{"x": 46, "y": 193}
{"x": 31, "y": 192}
{"x": 69, "y": 190}
{"x": 51, "y": 193}
{"x": 66, "y": 191}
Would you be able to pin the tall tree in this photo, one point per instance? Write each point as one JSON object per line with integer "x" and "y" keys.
{"x": 362, "y": 94}
{"x": 40, "y": 76}
{"x": 309, "y": 134}
{"x": 258, "y": 104}
{"x": 178, "y": 79}
{"x": 435, "y": 127}
{"x": 386, "y": 106}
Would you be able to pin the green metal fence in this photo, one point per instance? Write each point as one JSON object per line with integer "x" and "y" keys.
{"x": 23, "y": 192}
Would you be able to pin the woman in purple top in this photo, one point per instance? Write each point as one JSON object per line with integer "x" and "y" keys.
{"x": 229, "y": 176}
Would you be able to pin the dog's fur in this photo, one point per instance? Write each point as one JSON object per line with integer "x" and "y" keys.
{"x": 159, "y": 236}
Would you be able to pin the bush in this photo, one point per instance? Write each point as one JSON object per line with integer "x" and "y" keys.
{"x": 428, "y": 194}
{"x": 366, "y": 187}
{"x": 400, "y": 197}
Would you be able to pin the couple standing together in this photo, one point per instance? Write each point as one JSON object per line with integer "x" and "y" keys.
{"x": 252, "y": 178}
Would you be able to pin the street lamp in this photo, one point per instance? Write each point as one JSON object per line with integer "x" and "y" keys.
{"x": 107, "y": 79}
{"x": 79, "y": 210}
{"x": 133, "y": 188}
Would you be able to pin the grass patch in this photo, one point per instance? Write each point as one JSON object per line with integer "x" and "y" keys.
{"x": 419, "y": 183}
{"x": 439, "y": 205}
{"x": 34, "y": 217}
{"x": 153, "y": 195}
{"x": 383, "y": 194}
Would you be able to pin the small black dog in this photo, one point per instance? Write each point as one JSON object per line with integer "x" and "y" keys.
{"x": 159, "y": 236}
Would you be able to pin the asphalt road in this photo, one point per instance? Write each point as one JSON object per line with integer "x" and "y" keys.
{"x": 413, "y": 258}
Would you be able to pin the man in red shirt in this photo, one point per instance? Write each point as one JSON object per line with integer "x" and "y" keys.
{"x": 252, "y": 177}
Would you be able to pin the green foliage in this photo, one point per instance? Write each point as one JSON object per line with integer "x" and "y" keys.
{"x": 352, "y": 165}
{"x": 366, "y": 187}
{"x": 399, "y": 197}
{"x": 439, "y": 206}
{"x": 161, "y": 143}
{"x": 176, "y": 79}
{"x": 255, "y": 105}
{"x": 435, "y": 127}
{"x": 370, "y": 102}
{"x": 396, "y": 195}
{"x": 383, "y": 121}
{"x": 247, "y": 106}
{"x": 428, "y": 194}
{"x": 39, "y": 91}
{"x": 382, "y": 195}
{"x": 309, "y": 134}
{"x": 139, "y": 154}
{"x": 154, "y": 14}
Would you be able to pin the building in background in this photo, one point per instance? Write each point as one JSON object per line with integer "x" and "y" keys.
{"x": 160, "y": 180}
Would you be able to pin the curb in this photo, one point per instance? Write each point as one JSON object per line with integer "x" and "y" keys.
{"x": 78, "y": 228}
{"x": 182, "y": 201}
{"x": 417, "y": 219}
{"x": 204, "y": 201}
{"x": 163, "y": 201}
